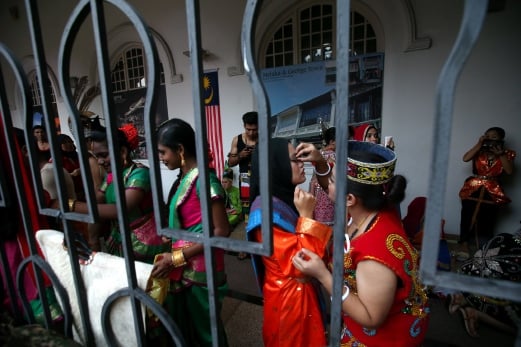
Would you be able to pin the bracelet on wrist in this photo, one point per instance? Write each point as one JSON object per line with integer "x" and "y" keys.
{"x": 345, "y": 293}
{"x": 328, "y": 171}
{"x": 178, "y": 258}
{"x": 72, "y": 205}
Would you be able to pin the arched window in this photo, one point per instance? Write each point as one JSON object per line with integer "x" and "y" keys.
{"x": 37, "y": 103}
{"x": 129, "y": 82}
{"x": 129, "y": 72}
{"x": 35, "y": 90}
{"x": 309, "y": 35}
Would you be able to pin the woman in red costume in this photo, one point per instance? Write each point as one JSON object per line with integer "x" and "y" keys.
{"x": 481, "y": 194}
{"x": 292, "y": 315}
{"x": 366, "y": 132}
{"x": 16, "y": 244}
{"x": 383, "y": 300}
{"x": 369, "y": 133}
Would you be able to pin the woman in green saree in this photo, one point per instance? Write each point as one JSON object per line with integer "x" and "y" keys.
{"x": 185, "y": 265}
{"x": 138, "y": 197}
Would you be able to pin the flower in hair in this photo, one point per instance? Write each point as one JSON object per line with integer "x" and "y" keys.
{"x": 131, "y": 134}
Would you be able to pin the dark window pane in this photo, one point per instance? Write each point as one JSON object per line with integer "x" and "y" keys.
{"x": 278, "y": 46}
{"x": 305, "y": 43}
{"x": 288, "y": 30}
{"x": 328, "y": 37}
{"x": 316, "y": 40}
{"x": 288, "y": 44}
{"x": 358, "y": 47}
{"x": 316, "y": 25}
{"x": 358, "y": 32}
{"x": 327, "y": 10}
{"x": 304, "y": 28}
{"x": 279, "y": 60}
{"x": 370, "y": 31}
{"x": 304, "y": 14}
{"x": 316, "y": 11}
{"x": 358, "y": 19}
{"x": 269, "y": 50}
{"x": 370, "y": 46}
{"x": 327, "y": 23}
{"x": 288, "y": 58}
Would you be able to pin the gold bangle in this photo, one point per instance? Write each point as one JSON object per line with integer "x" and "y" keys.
{"x": 178, "y": 258}
{"x": 72, "y": 204}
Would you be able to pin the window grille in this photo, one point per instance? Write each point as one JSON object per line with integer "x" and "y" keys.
{"x": 311, "y": 33}
{"x": 129, "y": 71}
{"x": 35, "y": 91}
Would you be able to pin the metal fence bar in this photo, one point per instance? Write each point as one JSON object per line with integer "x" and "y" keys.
{"x": 342, "y": 114}
{"x": 194, "y": 41}
{"x": 263, "y": 108}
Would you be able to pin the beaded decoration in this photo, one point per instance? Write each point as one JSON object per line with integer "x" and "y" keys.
{"x": 370, "y": 173}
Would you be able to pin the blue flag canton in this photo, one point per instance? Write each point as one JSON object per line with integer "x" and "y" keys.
{"x": 211, "y": 89}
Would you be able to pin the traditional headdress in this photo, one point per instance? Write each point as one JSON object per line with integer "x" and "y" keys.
{"x": 131, "y": 134}
{"x": 370, "y": 173}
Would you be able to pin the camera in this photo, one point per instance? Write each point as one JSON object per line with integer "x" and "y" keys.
{"x": 488, "y": 144}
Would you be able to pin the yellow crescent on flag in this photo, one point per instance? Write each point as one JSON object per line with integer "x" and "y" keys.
{"x": 207, "y": 85}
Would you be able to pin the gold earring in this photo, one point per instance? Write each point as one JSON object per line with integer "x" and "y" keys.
{"x": 183, "y": 162}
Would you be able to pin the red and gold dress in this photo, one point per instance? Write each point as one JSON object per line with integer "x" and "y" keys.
{"x": 486, "y": 174}
{"x": 407, "y": 322}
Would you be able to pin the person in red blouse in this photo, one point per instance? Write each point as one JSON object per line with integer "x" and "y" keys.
{"x": 383, "y": 302}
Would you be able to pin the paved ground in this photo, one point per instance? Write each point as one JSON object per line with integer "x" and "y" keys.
{"x": 243, "y": 319}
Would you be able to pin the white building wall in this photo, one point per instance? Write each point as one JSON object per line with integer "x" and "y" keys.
{"x": 488, "y": 92}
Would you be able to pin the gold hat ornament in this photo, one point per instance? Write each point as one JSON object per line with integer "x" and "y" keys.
{"x": 370, "y": 173}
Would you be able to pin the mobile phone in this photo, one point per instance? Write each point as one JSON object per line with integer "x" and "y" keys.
{"x": 387, "y": 140}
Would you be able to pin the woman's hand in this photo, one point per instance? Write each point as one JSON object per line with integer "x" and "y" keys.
{"x": 308, "y": 152}
{"x": 497, "y": 150}
{"x": 304, "y": 202}
{"x": 163, "y": 266}
{"x": 310, "y": 264}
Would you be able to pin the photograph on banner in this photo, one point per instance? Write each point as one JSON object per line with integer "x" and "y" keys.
{"x": 130, "y": 108}
{"x": 302, "y": 97}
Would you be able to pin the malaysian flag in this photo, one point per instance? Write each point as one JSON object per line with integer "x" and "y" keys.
{"x": 213, "y": 119}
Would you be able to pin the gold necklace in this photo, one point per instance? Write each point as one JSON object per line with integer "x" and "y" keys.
{"x": 358, "y": 225}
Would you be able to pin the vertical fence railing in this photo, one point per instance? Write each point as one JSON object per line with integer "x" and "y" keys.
{"x": 472, "y": 22}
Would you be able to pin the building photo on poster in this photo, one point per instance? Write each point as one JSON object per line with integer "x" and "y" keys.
{"x": 302, "y": 97}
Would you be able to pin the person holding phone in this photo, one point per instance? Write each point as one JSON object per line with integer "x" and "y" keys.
{"x": 240, "y": 154}
{"x": 482, "y": 194}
